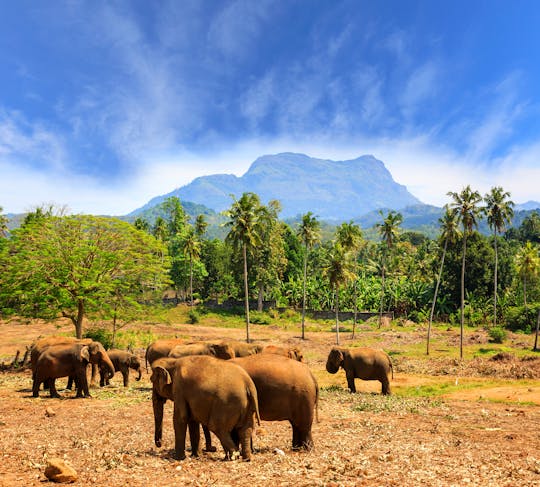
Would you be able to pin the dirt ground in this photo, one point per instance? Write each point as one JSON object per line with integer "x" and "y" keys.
{"x": 481, "y": 436}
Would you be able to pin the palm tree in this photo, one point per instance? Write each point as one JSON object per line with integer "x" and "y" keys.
{"x": 388, "y": 230}
{"x": 349, "y": 236}
{"x": 527, "y": 264}
{"x": 465, "y": 205}
{"x": 499, "y": 211}
{"x": 200, "y": 225}
{"x": 244, "y": 235}
{"x": 338, "y": 271}
{"x": 309, "y": 233}
{"x": 3, "y": 223}
{"x": 191, "y": 246}
{"x": 449, "y": 233}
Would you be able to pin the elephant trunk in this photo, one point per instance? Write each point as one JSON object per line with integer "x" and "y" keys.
{"x": 139, "y": 370}
{"x": 331, "y": 367}
{"x": 109, "y": 367}
{"x": 157, "y": 405}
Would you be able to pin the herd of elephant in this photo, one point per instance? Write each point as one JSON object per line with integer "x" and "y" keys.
{"x": 224, "y": 386}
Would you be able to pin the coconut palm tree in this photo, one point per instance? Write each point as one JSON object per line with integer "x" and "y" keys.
{"x": 244, "y": 235}
{"x": 200, "y": 225}
{"x": 191, "y": 246}
{"x": 3, "y": 223}
{"x": 449, "y": 233}
{"x": 349, "y": 236}
{"x": 499, "y": 211}
{"x": 338, "y": 269}
{"x": 528, "y": 264}
{"x": 465, "y": 204}
{"x": 309, "y": 233}
{"x": 388, "y": 230}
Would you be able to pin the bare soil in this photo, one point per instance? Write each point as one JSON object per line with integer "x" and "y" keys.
{"x": 472, "y": 436}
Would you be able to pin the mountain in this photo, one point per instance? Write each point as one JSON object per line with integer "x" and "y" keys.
{"x": 332, "y": 190}
{"x": 528, "y": 205}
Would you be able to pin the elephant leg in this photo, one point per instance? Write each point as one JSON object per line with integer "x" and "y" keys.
{"x": 125, "y": 375}
{"x": 227, "y": 443}
{"x": 157, "y": 405}
{"x": 101, "y": 378}
{"x": 71, "y": 379}
{"x": 194, "y": 437}
{"x": 35, "y": 386}
{"x": 386, "y": 386}
{"x": 208, "y": 440}
{"x": 350, "y": 381}
{"x": 82, "y": 385}
{"x": 245, "y": 434}
{"x": 52, "y": 389}
{"x": 180, "y": 421}
{"x": 94, "y": 375}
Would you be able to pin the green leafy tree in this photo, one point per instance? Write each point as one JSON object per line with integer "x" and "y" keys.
{"x": 3, "y": 223}
{"x": 465, "y": 204}
{"x": 449, "y": 233}
{"x": 244, "y": 236}
{"x": 338, "y": 270}
{"x": 499, "y": 212}
{"x": 191, "y": 247}
{"x": 349, "y": 237}
{"x": 76, "y": 264}
{"x": 527, "y": 264}
{"x": 269, "y": 260}
{"x": 389, "y": 231}
{"x": 200, "y": 225}
{"x": 142, "y": 224}
{"x": 309, "y": 233}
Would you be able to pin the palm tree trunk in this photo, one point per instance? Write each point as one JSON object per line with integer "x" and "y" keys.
{"x": 435, "y": 296}
{"x": 304, "y": 293}
{"x": 260, "y": 297}
{"x": 535, "y": 348}
{"x": 495, "y": 279}
{"x": 191, "y": 278}
{"x": 525, "y": 300}
{"x": 336, "y": 294}
{"x": 462, "y": 323}
{"x": 382, "y": 297}
{"x": 355, "y": 309}
{"x": 246, "y": 291}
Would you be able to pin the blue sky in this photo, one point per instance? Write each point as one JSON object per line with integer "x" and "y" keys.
{"x": 104, "y": 105}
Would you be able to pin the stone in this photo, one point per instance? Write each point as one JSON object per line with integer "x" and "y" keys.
{"x": 50, "y": 412}
{"x": 59, "y": 471}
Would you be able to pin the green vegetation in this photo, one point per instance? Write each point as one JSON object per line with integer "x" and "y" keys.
{"x": 97, "y": 270}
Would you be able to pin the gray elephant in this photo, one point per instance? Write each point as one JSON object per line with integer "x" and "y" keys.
{"x": 69, "y": 360}
{"x": 361, "y": 363}
{"x": 287, "y": 391}
{"x": 122, "y": 361}
{"x": 212, "y": 392}
{"x": 160, "y": 348}
{"x": 220, "y": 350}
{"x": 160, "y": 395}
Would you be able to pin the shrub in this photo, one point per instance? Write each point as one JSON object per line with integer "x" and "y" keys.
{"x": 259, "y": 318}
{"x": 497, "y": 334}
{"x": 194, "y": 316}
{"x": 100, "y": 335}
{"x": 516, "y": 319}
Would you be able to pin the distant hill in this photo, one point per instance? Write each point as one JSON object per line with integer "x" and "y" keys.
{"x": 332, "y": 190}
{"x": 529, "y": 205}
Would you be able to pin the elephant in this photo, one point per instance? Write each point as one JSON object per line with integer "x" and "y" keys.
{"x": 122, "y": 361}
{"x": 362, "y": 363}
{"x": 69, "y": 360}
{"x": 287, "y": 391}
{"x": 242, "y": 349}
{"x": 220, "y": 350}
{"x": 293, "y": 352}
{"x": 160, "y": 348}
{"x": 41, "y": 344}
{"x": 215, "y": 393}
{"x": 159, "y": 400}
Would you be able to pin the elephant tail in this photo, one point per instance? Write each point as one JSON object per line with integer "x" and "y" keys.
{"x": 252, "y": 397}
{"x": 316, "y": 399}
{"x": 391, "y": 367}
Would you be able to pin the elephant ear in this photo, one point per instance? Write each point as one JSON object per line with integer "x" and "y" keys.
{"x": 160, "y": 375}
{"x": 84, "y": 353}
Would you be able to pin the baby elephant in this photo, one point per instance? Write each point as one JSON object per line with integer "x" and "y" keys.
{"x": 361, "y": 363}
{"x": 122, "y": 361}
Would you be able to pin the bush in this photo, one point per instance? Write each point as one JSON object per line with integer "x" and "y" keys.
{"x": 516, "y": 318}
{"x": 100, "y": 335}
{"x": 194, "y": 316}
{"x": 259, "y": 318}
{"x": 497, "y": 334}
